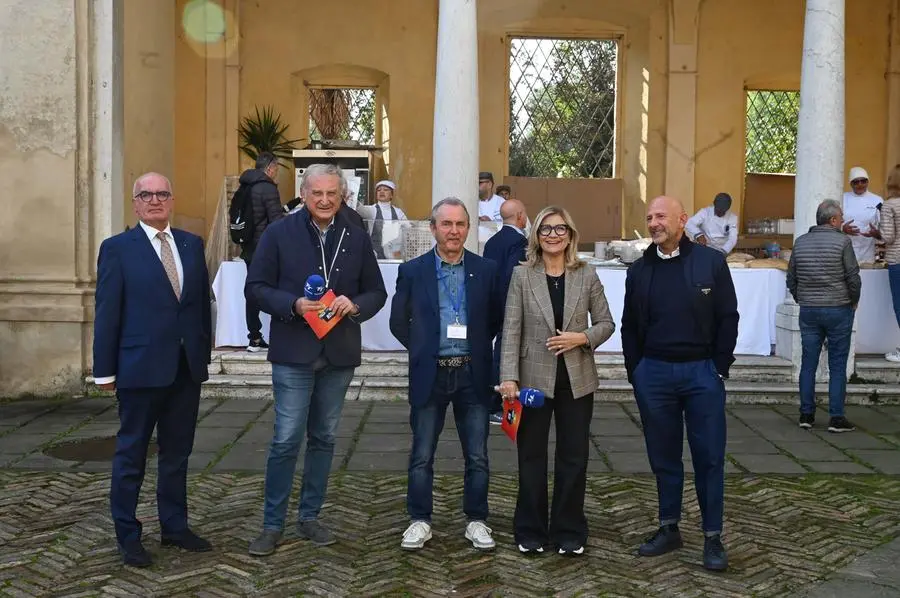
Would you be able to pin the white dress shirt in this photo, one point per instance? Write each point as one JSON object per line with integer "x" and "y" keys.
{"x": 863, "y": 211}
{"x": 721, "y": 232}
{"x": 157, "y": 247}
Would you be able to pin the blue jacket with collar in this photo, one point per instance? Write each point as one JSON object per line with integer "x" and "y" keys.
{"x": 288, "y": 253}
{"x": 713, "y": 303}
{"x": 416, "y": 321}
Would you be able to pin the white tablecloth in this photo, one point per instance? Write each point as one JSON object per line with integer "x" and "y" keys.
{"x": 876, "y": 326}
{"x": 759, "y": 291}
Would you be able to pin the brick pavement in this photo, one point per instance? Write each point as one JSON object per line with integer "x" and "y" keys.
{"x": 794, "y": 515}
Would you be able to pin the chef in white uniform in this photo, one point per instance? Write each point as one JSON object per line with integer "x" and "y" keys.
{"x": 488, "y": 202}
{"x": 862, "y": 211}
{"x": 715, "y": 226}
{"x": 385, "y": 237}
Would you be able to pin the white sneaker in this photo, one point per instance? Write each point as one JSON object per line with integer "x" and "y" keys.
{"x": 480, "y": 535}
{"x": 416, "y": 535}
{"x": 893, "y": 356}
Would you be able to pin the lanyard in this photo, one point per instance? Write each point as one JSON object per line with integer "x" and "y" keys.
{"x": 457, "y": 303}
{"x": 333, "y": 258}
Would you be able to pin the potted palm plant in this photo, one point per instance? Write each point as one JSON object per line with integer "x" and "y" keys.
{"x": 265, "y": 132}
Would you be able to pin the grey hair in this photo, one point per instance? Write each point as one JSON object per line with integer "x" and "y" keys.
{"x": 448, "y": 201}
{"x": 265, "y": 159}
{"x": 137, "y": 182}
{"x": 827, "y": 210}
{"x": 314, "y": 170}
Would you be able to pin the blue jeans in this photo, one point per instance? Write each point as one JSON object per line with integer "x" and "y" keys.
{"x": 452, "y": 385}
{"x": 894, "y": 280}
{"x": 308, "y": 398}
{"x": 670, "y": 395}
{"x": 816, "y": 325}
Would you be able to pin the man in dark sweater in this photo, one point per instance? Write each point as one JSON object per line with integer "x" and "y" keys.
{"x": 823, "y": 277}
{"x": 266, "y": 209}
{"x": 679, "y": 329}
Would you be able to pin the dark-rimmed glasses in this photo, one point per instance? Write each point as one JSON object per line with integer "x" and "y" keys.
{"x": 856, "y": 182}
{"x": 147, "y": 196}
{"x": 560, "y": 229}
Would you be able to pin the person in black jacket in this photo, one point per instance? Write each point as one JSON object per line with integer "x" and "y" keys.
{"x": 507, "y": 249}
{"x": 266, "y": 210}
{"x": 310, "y": 376}
{"x": 679, "y": 330}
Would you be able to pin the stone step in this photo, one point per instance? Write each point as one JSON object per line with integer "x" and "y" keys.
{"x": 877, "y": 370}
{"x": 375, "y": 388}
{"x": 610, "y": 366}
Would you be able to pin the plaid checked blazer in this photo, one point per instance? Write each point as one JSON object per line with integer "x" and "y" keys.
{"x": 528, "y": 323}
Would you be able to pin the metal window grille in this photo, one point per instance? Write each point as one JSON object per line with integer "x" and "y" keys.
{"x": 772, "y": 120}
{"x": 562, "y": 108}
{"x": 345, "y": 114}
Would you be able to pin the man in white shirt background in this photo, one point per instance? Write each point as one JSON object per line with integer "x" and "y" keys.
{"x": 383, "y": 210}
{"x": 715, "y": 226}
{"x": 862, "y": 210}
{"x": 488, "y": 202}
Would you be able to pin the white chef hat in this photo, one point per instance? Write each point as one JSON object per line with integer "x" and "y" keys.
{"x": 389, "y": 184}
{"x": 858, "y": 172}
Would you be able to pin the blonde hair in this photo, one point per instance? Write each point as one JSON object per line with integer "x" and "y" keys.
{"x": 892, "y": 187}
{"x": 533, "y": 253}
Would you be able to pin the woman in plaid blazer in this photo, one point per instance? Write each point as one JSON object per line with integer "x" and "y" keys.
{"x": 548, "y": 345}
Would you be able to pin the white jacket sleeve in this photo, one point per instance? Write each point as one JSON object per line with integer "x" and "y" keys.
{"x": 695, "y": 223}
{"x": 732, "y": 237}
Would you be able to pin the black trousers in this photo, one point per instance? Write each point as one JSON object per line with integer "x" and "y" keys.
{"x": 251, "y": 308}
{"x": 567, "y": 523}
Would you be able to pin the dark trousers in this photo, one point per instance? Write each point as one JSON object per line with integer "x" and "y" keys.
{"x": 567, "y": 523}
{"x": 452, "y": 385}
{"x": 251, "y": 307}
{"x": 496, "y": 399}
{"x": 173, "y": 411}
{"x": 670, "y": 395}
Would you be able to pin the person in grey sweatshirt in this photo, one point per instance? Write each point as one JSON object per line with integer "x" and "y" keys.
{"x": 823, "y": 277}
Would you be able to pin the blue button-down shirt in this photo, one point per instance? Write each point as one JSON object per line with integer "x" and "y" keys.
{"x": 451, "y": 289}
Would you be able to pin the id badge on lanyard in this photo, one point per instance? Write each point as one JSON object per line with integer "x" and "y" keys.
{"x": 456, "y": 330}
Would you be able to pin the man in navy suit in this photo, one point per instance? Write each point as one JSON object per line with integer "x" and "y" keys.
{"x": 152, "y": 346}
{"x": 310, "y": 376}
{"x": 445, "y": 313}
{"x": 507, "y": 249}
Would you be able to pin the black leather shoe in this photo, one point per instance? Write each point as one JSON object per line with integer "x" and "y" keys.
{"x": 714, "y": 556}
{"x": 187, "y": 540}
{"x": 666, "y": 539}
{"x": 134, "y": 554}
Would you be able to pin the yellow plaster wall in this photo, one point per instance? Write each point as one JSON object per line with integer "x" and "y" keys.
{"x": 149, "y": 70}
{"x": 759, "y": 45}
{"x": 395, "y": 40}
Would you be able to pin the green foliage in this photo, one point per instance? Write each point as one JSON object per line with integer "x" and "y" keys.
{"x": 562, "y": 108}
{"x": 772, "y": 121}
{"x": 265, "y": 132}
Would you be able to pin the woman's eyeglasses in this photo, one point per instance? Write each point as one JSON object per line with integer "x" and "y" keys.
{"x": 560, "y": 229}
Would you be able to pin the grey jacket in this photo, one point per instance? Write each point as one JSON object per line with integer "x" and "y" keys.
{"x": 823, "y": 271}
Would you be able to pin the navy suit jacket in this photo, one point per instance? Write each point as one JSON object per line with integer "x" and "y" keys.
{"x": 507, "y": 249}
{"x": 139, "y": 324}
{"x": 288, "y": 253}
{"x": 416, "y": 321}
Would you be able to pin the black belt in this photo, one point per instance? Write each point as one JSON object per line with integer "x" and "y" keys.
{"x": 457, "y": 361}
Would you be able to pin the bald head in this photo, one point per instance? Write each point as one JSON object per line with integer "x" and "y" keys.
{"x": 666, "y": 219}
{"x": 512, "y": 211}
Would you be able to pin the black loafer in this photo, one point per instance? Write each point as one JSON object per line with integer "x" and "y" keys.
{"x": 187, "y": 540}
{"x": 714, "y": 556}
{"x": 135, "y": 555}
{"x": 666, "y": 539}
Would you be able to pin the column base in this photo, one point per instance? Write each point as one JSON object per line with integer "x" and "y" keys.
{"x": 788, "y": 345}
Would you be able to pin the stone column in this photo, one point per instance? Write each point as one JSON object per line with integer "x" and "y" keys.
{"x": 456, "y": 132}
{"x": 107, "y": 102}
{"x": 820, "y": 149}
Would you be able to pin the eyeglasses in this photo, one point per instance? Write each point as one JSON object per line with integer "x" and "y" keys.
{"x": 859, "y": 181}
{"x": 147, "y": 196}
{"x": 560, "y": 229}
